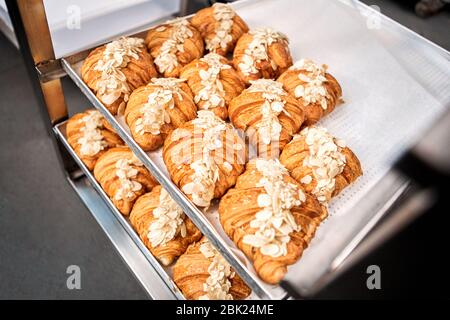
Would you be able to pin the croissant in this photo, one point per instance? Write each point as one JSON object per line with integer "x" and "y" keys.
{"x": 202, "y": 273}
{"x": 173, "y": 45}
{"x": 262, "y": 53}
{"x": 214, "y": 82}
{"x": 162, "y": 225}
{"x": 114, "y": 70}
{"x": 269, "y": 217}
{"x": 90, "y": 135}
{"x": 316, "y": 89}
{"x": 321, "y": 163}
{"x": 156, "y": 109}
{"x": 123, "y": 177}
{"x": 204, "y": 157}
{"x": 268, "y": 114}
{"x": 220, "y": 27}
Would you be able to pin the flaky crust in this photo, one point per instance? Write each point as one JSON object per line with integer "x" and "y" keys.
{"x": 204, "y": 21}
{"x": 278, "y": 52}
{"x": 231, "y": 82}
{"x": 184, "y": 110}
{"x": 74, "y": 133}
{"x": 191, "y": 271}
{"x": 142, "y": 216}
{"x": 184, "y": 146}
{"x": 245, "y": 113}
{"x": 192, "y": 47}
{"x": 239, "y": 206}
{"x": 138, "y": 73}
{"x": 297, "y": 150}
{"x": 105, "y": 173}
{"x": 313, "y": 111}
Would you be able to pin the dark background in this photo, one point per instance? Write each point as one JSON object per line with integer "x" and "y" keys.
{"x": 44, "y": 227}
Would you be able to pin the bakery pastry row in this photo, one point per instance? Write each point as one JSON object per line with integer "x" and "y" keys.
{"x": 271, "y": 205}
{"x": 198, "y": 269}
{"x": 270, "y": 208}
{"x": 175, "y": 49}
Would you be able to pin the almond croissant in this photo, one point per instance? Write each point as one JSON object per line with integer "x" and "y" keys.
{"x": 162, "y": 225}
{"x": 220, "y": 27}
{"x": 204, "y": 157}
{"x": 262, "y": 53}
{"x": 114, "y": 70}
{"x": 123, "y": 177}
{"x": 173, "y": 45}
{"x": 156, "y": 109}
{"x": 214, "y": 82}
{"x": 90, "y": 135}
{"x": 270, "y": 218}
{"x": 268, "y": 114}
{"x": 321, "y": 163}
{"x": 202, "y": 273}
{"x": 316, "y": 89}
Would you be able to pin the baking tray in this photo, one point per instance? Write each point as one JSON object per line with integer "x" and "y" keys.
{"x": 207, "y": 222}
{"x": 165, "y": 272}
{"x": 394, "y": 86}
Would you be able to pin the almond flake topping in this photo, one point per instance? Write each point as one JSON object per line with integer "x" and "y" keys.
{"x": 124, "y": 171}
{"x": 113, "y": 82}
{"x": 313, "y": 89}
{"x": 269, "y": 128}
{"x": 258, "y": 48}
{"x": 325, "y": 159}
{"x": 212, "y": 92}
{"x": 167, "y": 58}
{"x": 224, "y": 15}
{"x": 92, "y": 141}
{"x": 168, "y": 223}
{"x": 274, "y": 222}
{"x": 206, "y": 171}
{"x": 154, "y": 112}
{"x": 217, "y": 285}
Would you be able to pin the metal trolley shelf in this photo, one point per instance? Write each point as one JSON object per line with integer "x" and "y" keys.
{"x": 156, "y": 279}
{"x": 143, "y": 264}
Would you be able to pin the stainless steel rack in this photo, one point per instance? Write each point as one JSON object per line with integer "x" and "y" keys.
{"x": 34, "y": 39}
{"x": 146, "y": 275}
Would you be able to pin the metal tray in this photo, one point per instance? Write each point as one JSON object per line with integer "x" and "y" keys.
{"x": 111, "y": 210}
{"x": 207, "y": 223}
{"x": 134, "y": 258}
{"x": 401, "y": 63}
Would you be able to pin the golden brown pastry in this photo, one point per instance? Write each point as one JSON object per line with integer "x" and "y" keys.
{"x": 162, "y": 225}
{"x": 90, "y": 135}
{"x": 114, "y": 70}
{"x": 123, "y": 177}
{"x": 270, "y": 218}
{"x": 214, "y": 82}
{"x": 202, "y": 273}
{"x": 156, "y": 109}
{"x": 322, "y": 164}
{"x": 204, "y": 157}
{"x": 220, "y": 26}
{"x": 173, "y": 45}
{"x": 317, "y": 90}
{"x": 268, "y": 114}
{"x": 262, "y": 53}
